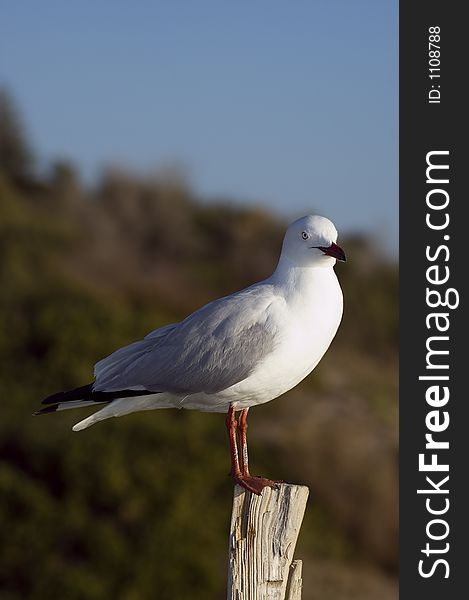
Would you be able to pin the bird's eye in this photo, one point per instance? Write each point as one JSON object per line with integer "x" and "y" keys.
{"x": 305, "y": 235}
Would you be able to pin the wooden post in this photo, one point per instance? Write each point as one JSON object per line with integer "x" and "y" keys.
{"x": 263, "y": 535}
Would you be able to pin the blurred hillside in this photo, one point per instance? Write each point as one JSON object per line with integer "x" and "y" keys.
{"x": 115, "y": 511}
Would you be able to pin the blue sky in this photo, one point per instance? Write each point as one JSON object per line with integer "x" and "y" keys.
{"x": 290, "y": 104}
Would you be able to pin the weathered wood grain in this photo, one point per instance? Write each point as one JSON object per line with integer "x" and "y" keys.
{"x": 295, "y": 583}
{"x": 263, "y": 535}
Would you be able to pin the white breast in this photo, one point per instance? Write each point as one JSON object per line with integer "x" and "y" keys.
{"x": 310, "y": 319}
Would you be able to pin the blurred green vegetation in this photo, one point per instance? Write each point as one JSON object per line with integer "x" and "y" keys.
{"x": 139, "y": 507}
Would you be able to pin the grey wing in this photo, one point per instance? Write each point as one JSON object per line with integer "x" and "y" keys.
{"x": 214, "y": 348}
{"x": 116, "y": 363}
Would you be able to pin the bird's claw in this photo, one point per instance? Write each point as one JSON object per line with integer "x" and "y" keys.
{"x": 256, "y": 484}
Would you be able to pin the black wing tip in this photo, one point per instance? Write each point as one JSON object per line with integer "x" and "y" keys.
{"x": 79, "y": 393}
{"x": 86, "y": 393}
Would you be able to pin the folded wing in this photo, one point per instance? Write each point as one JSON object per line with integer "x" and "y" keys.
{"x": 213, "y": 349}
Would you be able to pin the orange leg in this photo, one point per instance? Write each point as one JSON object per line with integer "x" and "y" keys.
{"x": 241, "y": 473}
{"x": 243, "y": 439}
{"x": 232, "y": 426}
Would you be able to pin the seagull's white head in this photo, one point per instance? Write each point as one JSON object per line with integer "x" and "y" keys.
{"x": 311, "y": 242}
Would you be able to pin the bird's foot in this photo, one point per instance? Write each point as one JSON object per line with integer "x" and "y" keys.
{"x": 255, "y": 484}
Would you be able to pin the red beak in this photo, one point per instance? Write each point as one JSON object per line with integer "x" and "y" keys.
{"x": 333, "y": 250}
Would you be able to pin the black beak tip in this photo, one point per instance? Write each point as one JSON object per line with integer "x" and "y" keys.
{"x": 335, "y": 251}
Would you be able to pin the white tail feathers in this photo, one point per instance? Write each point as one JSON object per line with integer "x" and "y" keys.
{"x": 124, "y": 406}
{"x": 91, "y": 420}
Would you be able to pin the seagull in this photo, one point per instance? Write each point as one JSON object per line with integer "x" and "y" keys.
{"x": 236, "y": 352}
